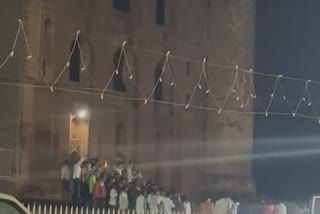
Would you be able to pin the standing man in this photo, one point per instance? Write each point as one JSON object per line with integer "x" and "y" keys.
{"x": 76, "y": 179}
{"x": 65, "y": 180}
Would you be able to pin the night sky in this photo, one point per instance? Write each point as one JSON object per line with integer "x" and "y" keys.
{"x": 288, "y": 43}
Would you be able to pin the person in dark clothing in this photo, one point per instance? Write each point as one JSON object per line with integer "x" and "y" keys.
{"x": 243, "y": 207}
{"x": 133, "y": 193}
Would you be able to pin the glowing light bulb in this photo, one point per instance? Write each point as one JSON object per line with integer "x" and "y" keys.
{"x": 160, "y": 79}
{"x": 220, "y": 110}
{"x": 68, "y": 64}
{"x": 131, "y": 77}
{"x": 145, "y": 101}
{"x": 309, "y": 104}
{"x": 199, "y": 86}
{"x": 272, "y": 95}
{"x": 51, "y": 88}
{"x": 238, "y": 98}
{"x": 187, "y": 106}
{"x": 303, "y": 98}
{"x": 294, "y": 115}
{"x": 207, "y": 91}
{"x": 241, "y": 106}
{"x": 267, "y": 114}
{"x": 12, "y": 54}
{"x": 83, "y": 69}
{"x": 29, "y": 57}
{"x": 117, "y": 72}
{"x": 172, "y": 84}
{"x": 101, "y": 96}
{"x": 284, "y": 97}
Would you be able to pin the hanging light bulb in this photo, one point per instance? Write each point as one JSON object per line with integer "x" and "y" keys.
{"x": 101, "y": 96}
{"x": 294, "y": 115}
{"x": 303, "y": 98}
{"x": 117, "y": 72}
{"x": 187, "y": 106}
{"x": 131, "y": 77}
{"x": 238, "y": 98}
{"x": 68, "y": 64}
{"x": 199, "y": 86}
{"x": 272, "y": 95}
{"x": 145, "y": 101}
{"x": 12, "y": 54}
{"x": 284, "y": 97}
{"x": 267, "y": 114}
{"x": 29, "y": 57}
{"x": 309, "y": 104}
{"x": 51, "y": 88}
{"x": 160, "y": 79}
{"x": 83, "y": 69}
{"x": 242, "y": 105}
{"x": 220, "y": 110}
{"x": 172, "y": 84}
{"x": 207, "y": 91}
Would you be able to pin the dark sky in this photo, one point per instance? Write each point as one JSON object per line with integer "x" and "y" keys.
{"x": 288, "y": 43}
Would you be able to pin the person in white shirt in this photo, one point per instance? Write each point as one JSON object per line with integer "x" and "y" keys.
{"x": 154, "y": 201}
{"x": 65, "y": 180}
{"x": 186, "y": 205}
{"x": 76, "y": 179}
{"x": 129, "y": 171}
{"x": 280, "y": 209}
{"x": 113, "y": 198}
{"x": 123, "y": 201}
{"x": 168, "y": 204}
{"x": 141, "y": 204}
{"x": 223, "y": 206}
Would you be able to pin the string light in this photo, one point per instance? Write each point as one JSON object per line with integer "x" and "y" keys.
{"x": 198, "y": 83}
{"x": 294, "y": 112}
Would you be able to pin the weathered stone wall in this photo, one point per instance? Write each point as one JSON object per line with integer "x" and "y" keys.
{"x": 178, "y": 146}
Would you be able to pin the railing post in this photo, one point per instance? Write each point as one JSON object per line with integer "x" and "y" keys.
{"x": 34, "y": 209}
{"x": 39, "y": 209}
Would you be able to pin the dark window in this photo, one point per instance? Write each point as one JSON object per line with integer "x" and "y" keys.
{"x": 158, "y": 90}
{"x": 122, "y": 5}
{"x": 74, "y": 74}
{"x": 188, "y": 65}
{"x": 118, "y": 84}
{"x": 160, "y": 12}
{"x": 44, "y": 67}
{"x": 47, "y": 28}
{"x": 120, "y": 138}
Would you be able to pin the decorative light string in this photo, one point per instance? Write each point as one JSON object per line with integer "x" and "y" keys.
{"x": 236, "y": 87}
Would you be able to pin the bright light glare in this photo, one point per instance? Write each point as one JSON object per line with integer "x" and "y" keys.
{"x": 83, "y": 113}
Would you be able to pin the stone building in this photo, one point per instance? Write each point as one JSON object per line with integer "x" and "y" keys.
{"x": 193, "y": 149}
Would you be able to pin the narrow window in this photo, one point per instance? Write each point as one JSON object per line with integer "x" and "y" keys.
{"x": 74, "y": 74}
{"x": 160, "y": 12}
{"x": 122, "y": 5}
{"x": 118, "y": 84}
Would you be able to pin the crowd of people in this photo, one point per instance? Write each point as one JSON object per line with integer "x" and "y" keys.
{"x": 122, "y": 187}
{"x": 119, "y": 187}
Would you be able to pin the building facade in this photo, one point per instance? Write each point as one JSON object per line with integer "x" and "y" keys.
{"x": 77, "y": 51}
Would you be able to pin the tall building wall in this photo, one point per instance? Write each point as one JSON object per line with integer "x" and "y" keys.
{"x": 178, "y": 146}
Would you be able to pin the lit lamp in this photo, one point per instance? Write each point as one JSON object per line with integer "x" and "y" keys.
{"x": 82, "y": 114}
